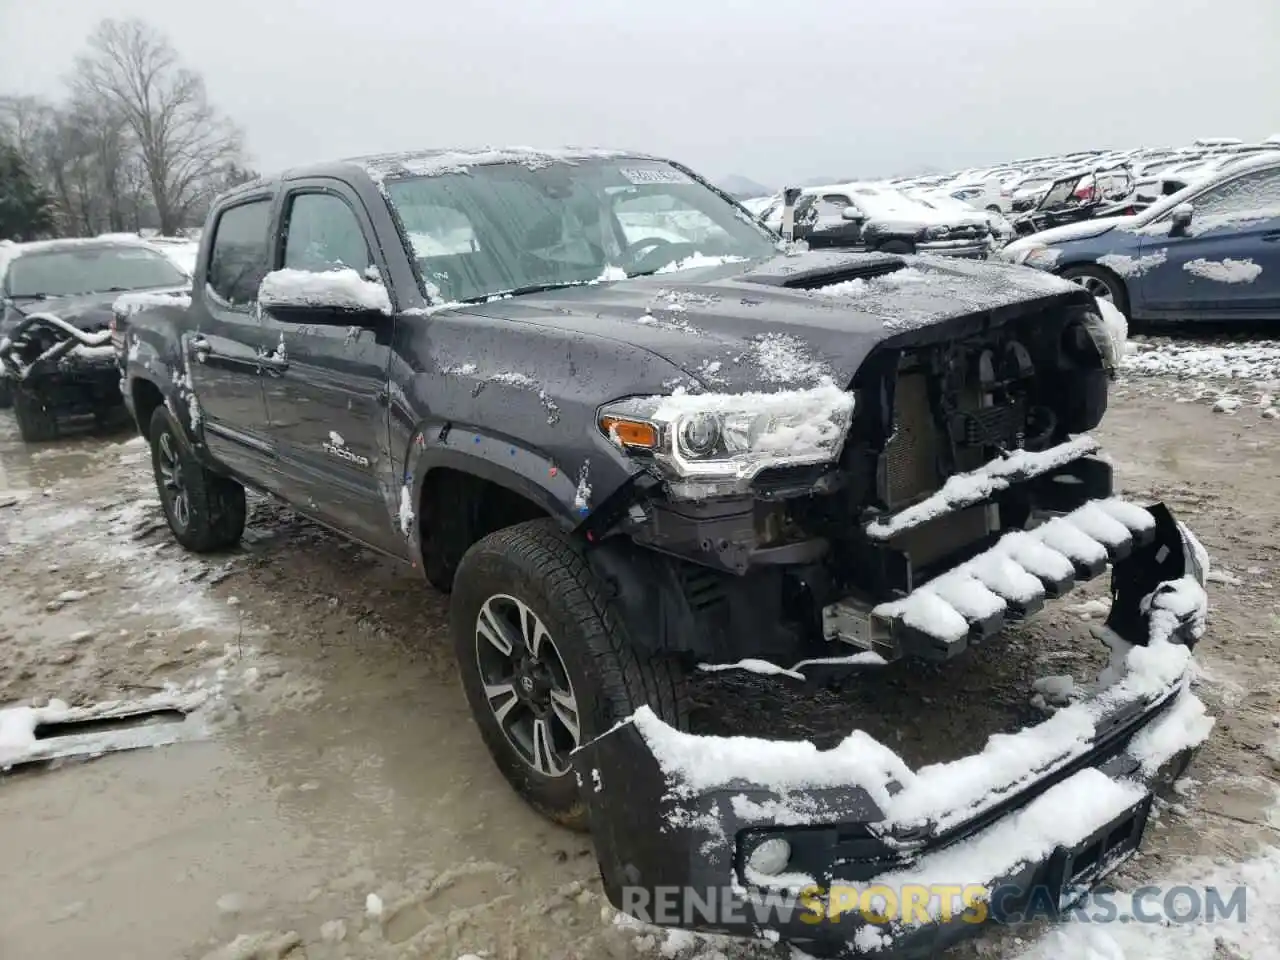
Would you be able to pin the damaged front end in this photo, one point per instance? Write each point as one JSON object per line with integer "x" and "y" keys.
{"x": 849, "y": 850}
{"x": 66, "y": 368}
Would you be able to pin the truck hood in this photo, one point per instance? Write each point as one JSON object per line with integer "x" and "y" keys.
{"x": 792, "y": 320}
{"x": 88, "y": 312}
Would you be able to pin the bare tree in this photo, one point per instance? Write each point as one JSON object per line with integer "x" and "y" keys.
{"x": 182, "y": 142}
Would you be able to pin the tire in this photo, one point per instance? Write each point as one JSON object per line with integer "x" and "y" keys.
{"x": 1102, "y": 283}
{"x": 37, "y": 422}
{"x": 590, "y": 660}
{"x": 213, "y": 514}
{"x": 896, "y": 246}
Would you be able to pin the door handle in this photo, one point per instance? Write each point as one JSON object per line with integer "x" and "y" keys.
{"x": 1271, "y": 237}
{"x": 201, "y": 348}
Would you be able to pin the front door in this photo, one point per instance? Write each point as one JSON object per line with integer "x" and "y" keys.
{"x": 1226, "y": 263}
{"x": 221, "y": 352}
{"x": 326, "y": 386}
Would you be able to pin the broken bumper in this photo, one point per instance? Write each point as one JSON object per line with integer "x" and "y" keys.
{"x": 849, "y": 850}
{"x": 46, "y": 354}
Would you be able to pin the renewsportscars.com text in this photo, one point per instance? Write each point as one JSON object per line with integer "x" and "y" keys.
{"x": 913, "y": 904}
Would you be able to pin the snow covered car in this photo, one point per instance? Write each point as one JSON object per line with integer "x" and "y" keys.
{"x": 1209, "y": 252}
{"x": 56, "y": 358}
{"x": 878, "y": 218}
{"x": 624, "y": 456}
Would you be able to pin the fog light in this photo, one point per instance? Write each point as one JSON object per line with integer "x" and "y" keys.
{"x": 770, "y": 858}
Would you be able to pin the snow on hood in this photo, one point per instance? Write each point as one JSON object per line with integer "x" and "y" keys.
{"x": 1084, "y": 230}
{"x": 734, "y": 326}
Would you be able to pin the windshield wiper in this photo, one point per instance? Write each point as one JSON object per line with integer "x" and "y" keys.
{"x": 521, "y": 291}
{"x": 28, "y": 296}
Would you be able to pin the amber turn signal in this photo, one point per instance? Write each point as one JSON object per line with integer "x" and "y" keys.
{"x": 630, "y": 433}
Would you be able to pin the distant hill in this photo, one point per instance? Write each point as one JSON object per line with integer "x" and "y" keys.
{"x": 742, "y": 187}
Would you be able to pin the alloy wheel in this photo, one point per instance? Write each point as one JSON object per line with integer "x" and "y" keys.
{"x": 1097, "y": 286}
{"x": 173, "y": 483}
{"x": 526, "y": 684}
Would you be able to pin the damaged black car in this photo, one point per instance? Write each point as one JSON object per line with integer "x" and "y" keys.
{"x": 56, "y": 359}
{"x": 633, "y": 432}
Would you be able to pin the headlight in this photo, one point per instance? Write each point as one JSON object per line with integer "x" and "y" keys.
{"x": 726, "y": 439}
{"x": 938, "y": 232}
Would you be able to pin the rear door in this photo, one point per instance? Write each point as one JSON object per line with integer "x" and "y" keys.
{"x": 326, "y": 386}
{"x": 222, "y": 350}
{"x": 1226, "y": 264}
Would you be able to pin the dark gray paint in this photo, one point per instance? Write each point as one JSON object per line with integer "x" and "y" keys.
{"x": 579, "y": 348}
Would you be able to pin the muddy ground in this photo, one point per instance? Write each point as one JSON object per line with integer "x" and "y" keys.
{"x": 342, "y": 762}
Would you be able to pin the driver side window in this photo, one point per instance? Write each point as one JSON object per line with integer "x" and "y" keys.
{"x": 323, "y": 233}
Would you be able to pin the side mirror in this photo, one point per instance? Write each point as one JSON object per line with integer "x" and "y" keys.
{"x": 1180, "y": 219}
{"x": 851, "y": 213}
{"x": 330, "y": 297}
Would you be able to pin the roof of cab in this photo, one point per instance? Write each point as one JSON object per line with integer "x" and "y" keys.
{"x": 427, "y": 163}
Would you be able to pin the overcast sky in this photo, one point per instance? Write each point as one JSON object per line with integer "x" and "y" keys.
{"x": 772, "y": 89}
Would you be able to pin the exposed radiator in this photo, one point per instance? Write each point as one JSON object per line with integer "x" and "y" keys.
{"x": 909, "y": 465}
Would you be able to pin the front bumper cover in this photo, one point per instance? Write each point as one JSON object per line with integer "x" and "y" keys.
{"x": 1036, "y": 817}
{"x": 73, "y": 354}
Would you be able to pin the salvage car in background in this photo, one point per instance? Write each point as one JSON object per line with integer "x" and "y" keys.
{"x": 1080, "y": 195}
{"x": 1209, "y": 252}
{"x": 878, "y": 218}
{"x": 55, "y": 353}
{"x": 627, "y": 454}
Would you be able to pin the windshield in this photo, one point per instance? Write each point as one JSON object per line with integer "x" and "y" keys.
{"x": 508, "y": 227}
{"x": 79, "y": 270}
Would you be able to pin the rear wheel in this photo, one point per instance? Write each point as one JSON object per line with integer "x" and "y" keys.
{"x": 545, "y": 662}
{"x": 1102, "y": 283}
{"x": 205, "y": 511}
{"x": 37, "y": 420}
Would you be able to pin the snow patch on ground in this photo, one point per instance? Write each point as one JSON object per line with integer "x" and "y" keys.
{"x": 1197, "y": 939}
{"x": 343, "y": 288}
{"x": 1224, "y": 271}
{"x": 1251, "y": 361}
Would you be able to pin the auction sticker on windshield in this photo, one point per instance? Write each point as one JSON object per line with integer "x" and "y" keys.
{"x": 642, "y": 175}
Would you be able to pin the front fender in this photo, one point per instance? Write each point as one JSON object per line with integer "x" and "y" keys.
{"x": 562, "y": 491}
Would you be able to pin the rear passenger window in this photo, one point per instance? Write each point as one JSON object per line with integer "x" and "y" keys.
{"x": 240, "y": 257}
{"x": 323, "y": 233}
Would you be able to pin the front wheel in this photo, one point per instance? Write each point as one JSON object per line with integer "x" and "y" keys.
{"x": 1102, "y": 283}
{"x": 205, "y": 511}
{"x": 37, "y": 420}
{"x": 545, "y": 662}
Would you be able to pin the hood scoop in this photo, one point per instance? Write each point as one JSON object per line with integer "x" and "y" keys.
{"x": 808, "y": 275}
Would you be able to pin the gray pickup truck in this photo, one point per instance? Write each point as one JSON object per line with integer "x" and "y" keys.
{"x": 631, "y": 431}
